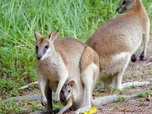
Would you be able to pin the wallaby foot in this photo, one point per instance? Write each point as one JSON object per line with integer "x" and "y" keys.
{"x": 142, "y": 55}
{"x": 44, "y": 101}
{"x": 81, "y": 110}
{"x": 133, "y": 58}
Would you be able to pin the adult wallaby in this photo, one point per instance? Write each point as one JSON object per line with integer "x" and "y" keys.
{"x": 59, "y": 59}
{"x": 118, "y": 39}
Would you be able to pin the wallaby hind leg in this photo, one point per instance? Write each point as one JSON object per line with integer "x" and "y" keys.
{"x": 117, "y": 78}
{"x": 49, "y": 106}
{"x": 89, "y": 74}
{"x": 87, "y": 80}
{"x": 96, "y": 75}
{"x": 48, "y": 93}
{"x": 113, "y": 81}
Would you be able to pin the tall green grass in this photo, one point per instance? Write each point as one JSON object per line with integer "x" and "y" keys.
{"x": 19, "y": 18}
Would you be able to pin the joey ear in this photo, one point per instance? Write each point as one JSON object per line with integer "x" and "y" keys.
{"x": 71, "y": 83}
{"x": 37, "y": 35}
{"x": 53, "y": 35}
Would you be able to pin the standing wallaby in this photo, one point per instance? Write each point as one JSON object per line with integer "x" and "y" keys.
{"x": 59, "y": 59}
{"x": 118, "y": 39}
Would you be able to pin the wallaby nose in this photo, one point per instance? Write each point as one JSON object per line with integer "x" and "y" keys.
{"x": 39, "y": 57}
{"x": 64, "y": 98}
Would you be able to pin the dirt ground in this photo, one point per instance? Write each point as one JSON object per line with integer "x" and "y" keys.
{"x": 138, "y": 71}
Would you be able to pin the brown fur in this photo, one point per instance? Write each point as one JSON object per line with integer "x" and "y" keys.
{"x": 58, "y": 61}
{"x": 89, "y": 56}
{"x": 80, "y": 100}
{"x": 120, "y": 35}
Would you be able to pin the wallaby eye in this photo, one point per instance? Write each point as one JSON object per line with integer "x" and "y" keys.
{"x": 46, "y": 46}
{"x": 124, "y": 2}
{"x": 68, "y": 91}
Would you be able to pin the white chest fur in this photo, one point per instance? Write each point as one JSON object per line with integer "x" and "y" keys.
{"x": 49, "y": 67}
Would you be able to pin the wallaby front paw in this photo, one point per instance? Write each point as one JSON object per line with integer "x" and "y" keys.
{"x": 44, "y": 101}
{"x": 56, "y": 98}
{"x": 76, "y": 112}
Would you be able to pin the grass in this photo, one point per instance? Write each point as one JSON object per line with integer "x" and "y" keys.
{"x": 120, "y": 99}
{"x": 19, "y": 18}
{"x": 144, "y": 94}
{"x": 20, "y": 107}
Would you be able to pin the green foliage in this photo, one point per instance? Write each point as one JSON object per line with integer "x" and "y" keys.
{"x": 19, "y": 107}
{"x": 116, "y": 108}
{"x": 120, "y": 99}
{"x": 8, "y": 85}
{"x": 150, "y": 70}
{"x": 144, "y": 94}
{"x": 113, "y": 90}
{"x": 99, "y": 82}
{"x": 150, "y": 87}
{"x": 19, "y": 18}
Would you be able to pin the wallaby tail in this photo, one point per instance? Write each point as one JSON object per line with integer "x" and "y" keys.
{"x": 109, "y": 99}
{"x": 104, "y": 100}
{"x": 135, "y": 83}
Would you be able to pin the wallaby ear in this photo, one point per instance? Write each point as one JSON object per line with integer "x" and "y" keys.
{"x": 53, "y": 35}
{"x": 71, "y": 83}
{"x": 37, "y": 35}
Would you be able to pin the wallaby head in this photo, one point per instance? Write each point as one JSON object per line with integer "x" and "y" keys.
{"x": 66, "y": 91}
{"x": 44, "y": 45}
{"x": 127, "y": 5}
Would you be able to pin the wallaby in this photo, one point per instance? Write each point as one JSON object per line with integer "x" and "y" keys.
{"x": 59, "y": 59}
{"x": 118, "y": 39}
{"x": 73, "y": 95}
